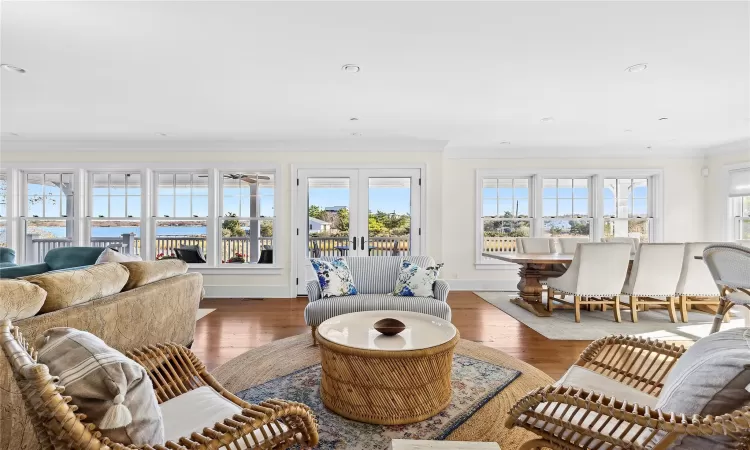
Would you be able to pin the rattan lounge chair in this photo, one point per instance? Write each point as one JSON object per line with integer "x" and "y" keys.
{"x": 174, "y": 371}
{"x": 567, "y": 418}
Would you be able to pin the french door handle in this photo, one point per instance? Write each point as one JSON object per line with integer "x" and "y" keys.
{"x": 362, "y": 243}
{"x": 354, "y": 243}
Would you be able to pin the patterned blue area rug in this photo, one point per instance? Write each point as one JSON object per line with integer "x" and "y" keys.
{"x": 474, "y": 382}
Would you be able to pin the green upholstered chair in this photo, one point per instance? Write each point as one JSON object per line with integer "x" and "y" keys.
{"x": 56, "y": 259}
{"x": 7, "y": 257}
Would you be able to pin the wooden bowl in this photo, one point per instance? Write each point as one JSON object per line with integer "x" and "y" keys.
{"x": 389, "y": 327}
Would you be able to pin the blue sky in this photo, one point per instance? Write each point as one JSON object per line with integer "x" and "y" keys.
{"x": 388, "y": 200}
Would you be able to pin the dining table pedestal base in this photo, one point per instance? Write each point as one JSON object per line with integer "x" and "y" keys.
{"x": 530, "y": 289}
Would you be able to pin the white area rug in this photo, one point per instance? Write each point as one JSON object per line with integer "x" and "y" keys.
{"x": 203, "y": 313}
{"x": 653, "y": 324}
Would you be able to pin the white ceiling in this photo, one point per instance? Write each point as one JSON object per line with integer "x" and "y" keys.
{"x": 434, "y": 74}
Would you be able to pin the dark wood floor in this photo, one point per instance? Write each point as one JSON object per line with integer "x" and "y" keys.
{"x": 238, "y": 325}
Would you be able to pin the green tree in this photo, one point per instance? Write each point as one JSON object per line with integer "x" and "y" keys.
{"x": 342, "y": 219}
{"x": 232, "y": 227}
{"x": 266, "y": 228}
{"x": 375, "y": 227}
{"x": 316, "y": 212}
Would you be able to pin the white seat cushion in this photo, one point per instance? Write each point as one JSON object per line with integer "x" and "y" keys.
{"x": 198, "y": 409}
{"x": 589, "y": 380}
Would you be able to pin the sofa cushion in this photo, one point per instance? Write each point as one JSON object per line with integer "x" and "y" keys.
{"x": 710, "y": 378}
{"x": 113, "y": 391}
{"x": 66, "y": 257}
{"x": 71, "y": 287}
{"x": 109, "y": 255}
{"x": 200, "y": 408}
{"x": 378, "y": 275}
{"x": 589, "y": 380}
{"x": 20, "y": 299}
{"x": 319, "y": 311}
{"x": 414, "y": 280}
{"x": 145, "y": 272}
{"x": 334, "y": 277}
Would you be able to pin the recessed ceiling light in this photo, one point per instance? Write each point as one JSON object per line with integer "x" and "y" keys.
{"x": 11, "y": 68}
{"x": 637, "y": 68}
{"x": 547, "y": 119}
{"x": 505, "y": 143}
{"x": 351, "y": 68}
{"x": 648, "y": 147}
{"x": 663, "y": 118}
{"x": 353, "y": 119}
{"x": 10, "y": 133}
{"x": 628, "y": 130}
{"x": 357, "y": 134}
{"x": 162, "y": 134}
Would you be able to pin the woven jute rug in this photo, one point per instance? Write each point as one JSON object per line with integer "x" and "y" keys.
{"x": 292, "y": 354}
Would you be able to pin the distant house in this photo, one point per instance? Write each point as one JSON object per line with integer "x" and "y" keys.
{"x": 334, "y": 208}
{"x": 319, "y": 226}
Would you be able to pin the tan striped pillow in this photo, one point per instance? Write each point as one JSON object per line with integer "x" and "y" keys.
{"x": 113, "y": 391}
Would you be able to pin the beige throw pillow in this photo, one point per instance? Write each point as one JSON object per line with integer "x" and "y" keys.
{"x": 113, "y": 391}
{"x": 66, "y": 288}
{"x": 145, "y": 272}
{"x": 109, "y": 255}
{"x": 20, "y": 299}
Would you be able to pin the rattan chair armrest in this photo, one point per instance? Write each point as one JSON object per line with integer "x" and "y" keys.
{"x": 637, "y": 426}
{"x": 634, "y": 361}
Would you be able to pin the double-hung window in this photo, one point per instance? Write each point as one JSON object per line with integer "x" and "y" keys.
{"x": 506, "y": 213}
{"x": 627, "y": 208}
{"x": 3, "y": 210}
{"x": 115, "y": 211}
{"x": 566, "y": 207}
{"x": 181, "y": 215}
{"x": 49, "y": 218}
{"x": 247, "y": 217}
{"x": 739, "y": 193}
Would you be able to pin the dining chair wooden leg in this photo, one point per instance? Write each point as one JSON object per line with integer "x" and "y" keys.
{"x": 618, "y": 316}
{"x": 634, "y": 308}
{"x": 683, "y": 308}
{"x": 721, "y": 311}
{"x": 604, "y": 308}
{"x": 550, "y": 299}
{"x": 670, "y": 308}
{"x": 577, "y": 302}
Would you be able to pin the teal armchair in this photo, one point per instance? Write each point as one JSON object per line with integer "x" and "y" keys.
{"x": 7, "y": 257}
{"x": 56, "y": 259}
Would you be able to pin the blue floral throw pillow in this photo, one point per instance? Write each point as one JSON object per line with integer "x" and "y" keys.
{"x": 415, "y": 281}
{"x": 334, "y": 277}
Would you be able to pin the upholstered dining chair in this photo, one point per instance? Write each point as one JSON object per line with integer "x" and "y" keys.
{"x": 535, "y": 245}
{"x": 568, "y": 245}
{"x": 695, "y": 286}
{"x": 595, "y": 277}
{"x": 656, "y": 270}
{"x": 176, "y": 374}
{"x": 633, "y": 241}
{"x": 730, "y": 267}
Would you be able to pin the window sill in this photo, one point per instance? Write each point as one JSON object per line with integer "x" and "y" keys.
{"x": 236, "y": 269}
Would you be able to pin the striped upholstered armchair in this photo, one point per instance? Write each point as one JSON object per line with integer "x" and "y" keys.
{"x": 375, "y": 278}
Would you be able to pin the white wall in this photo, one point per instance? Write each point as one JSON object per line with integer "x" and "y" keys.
{"x": 450, "y": 191}
{"x": 717, "y": 161}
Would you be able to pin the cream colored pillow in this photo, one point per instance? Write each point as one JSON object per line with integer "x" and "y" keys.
{"x": 145, "y": 272}
{"x": 66, "y": 288}
{"x": 109, "y": 255}
{"x": 20, "y": 299}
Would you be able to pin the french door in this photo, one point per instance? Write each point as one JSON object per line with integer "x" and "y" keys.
{"x": 356, "y": 212}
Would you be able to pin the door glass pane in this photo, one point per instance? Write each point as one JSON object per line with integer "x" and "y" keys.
{"x": 389, "y": 217}
{"x": 328, "y": 217}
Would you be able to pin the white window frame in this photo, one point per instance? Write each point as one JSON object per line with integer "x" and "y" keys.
{"x": 587, "y": 218}
{"x": 7, "y": 219}
{"x": 649, "y": 202}
{"x": 733, "y": 208}
{"x": 89, "y": 214}
{"x": 739, "y": 214}
{"x": 221, "y": 213}
{"x": 596, "y": 201}
{"x": 532, "y": 218}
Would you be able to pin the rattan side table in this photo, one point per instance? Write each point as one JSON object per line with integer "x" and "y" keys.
{"x": 386, "y": 380}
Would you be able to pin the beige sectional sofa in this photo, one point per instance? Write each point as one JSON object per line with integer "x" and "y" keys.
{"x": 155, "y": 312}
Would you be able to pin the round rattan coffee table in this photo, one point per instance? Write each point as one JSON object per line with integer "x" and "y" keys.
{"x": 387, "y": 380}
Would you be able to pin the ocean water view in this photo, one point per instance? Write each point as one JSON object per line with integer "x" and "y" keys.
{"x": 117, "y": 231}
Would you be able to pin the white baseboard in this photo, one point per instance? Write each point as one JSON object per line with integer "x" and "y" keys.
{"x": 483, "y": 285}
{"x": 245, "y": 291}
